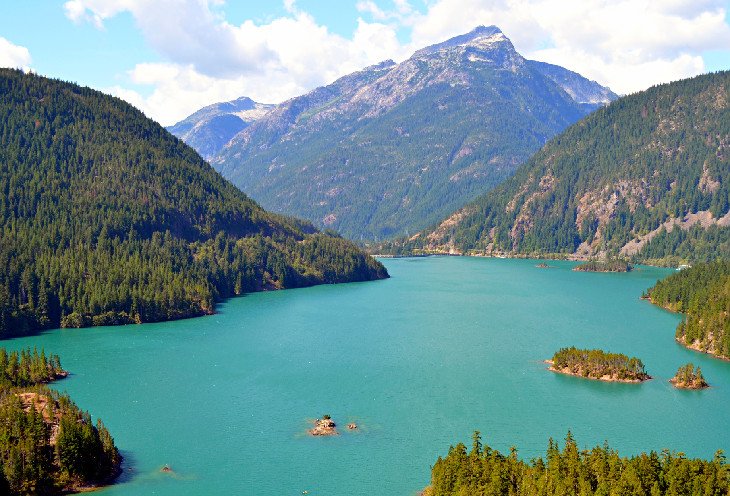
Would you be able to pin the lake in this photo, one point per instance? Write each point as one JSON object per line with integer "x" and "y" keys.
{"x": 447, "y": 346}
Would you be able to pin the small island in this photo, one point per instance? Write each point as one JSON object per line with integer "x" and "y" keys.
{"x": 604, "y": 266}
{"x": 324, "y": 427}
{"x": 542, "y": 265}
{"x": 598, "y": 365}
{"x": 689, "y": 377}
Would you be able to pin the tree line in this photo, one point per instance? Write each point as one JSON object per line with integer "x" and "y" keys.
{"x": 484, "y": 471}
{"x": 596, "y": 364}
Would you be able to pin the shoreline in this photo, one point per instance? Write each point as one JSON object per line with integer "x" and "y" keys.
{"x": 193, "y": 315}
{"x": 696, "y": 347}
{"x": 683, "y": 385}
{"x": 693, "y": 346}
{"x": 567, "y": 371}
{"x": 518, "y": 256}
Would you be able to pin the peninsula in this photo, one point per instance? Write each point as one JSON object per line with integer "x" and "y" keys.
{"x": 702, "y": 294}
{"x": 47, "y": 444}
{"x": 112, "y": 220}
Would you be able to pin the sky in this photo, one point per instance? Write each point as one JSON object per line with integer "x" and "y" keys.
{"x": 171, "y": 57}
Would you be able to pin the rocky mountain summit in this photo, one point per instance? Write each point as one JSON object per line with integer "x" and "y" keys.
{"x": 211, "y": 127}
{"x": 394, "y": 147}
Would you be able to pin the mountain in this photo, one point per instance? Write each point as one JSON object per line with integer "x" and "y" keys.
{"x": 211, "y": 127}
{"x": 394, "y": 147}
{"x": 647, "y": 177}
{"x": 588, "y": 93}
{"x": 106, "y": 218}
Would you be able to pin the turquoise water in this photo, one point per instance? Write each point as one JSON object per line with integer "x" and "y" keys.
{"x": 446, "y": 346}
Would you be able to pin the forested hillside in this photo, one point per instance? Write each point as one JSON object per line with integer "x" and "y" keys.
{"x": 702, "y": 293}
{"x": 106, "y": 218}
{"x": 393, "y": 148}
{"x": 645, "y": 178}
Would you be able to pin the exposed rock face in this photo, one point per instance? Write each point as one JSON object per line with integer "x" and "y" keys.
{"x": 582, "y": 90}
{"x": 647, "y": 176}
{"x": 392, "y": 148}
{"x": 324, "y": 427}
{"x": 211, "y": 127}
{"x": 680, "y": 384}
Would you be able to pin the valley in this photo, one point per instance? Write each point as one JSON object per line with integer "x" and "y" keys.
{"x": 213, "y": 282}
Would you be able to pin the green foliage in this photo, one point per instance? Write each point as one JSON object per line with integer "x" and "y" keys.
{"x": 26, "y": 368}
{"x": 702, "y": 293}
{"x": 106, "y": 219}
{"x": 689, "y": 376}
{"x": 595, "y": 364}
{"x": 604, "y": 266}
{"x": 601, "y": 471}
{"x": 47, "y": 445}
{"x": 618, "y": 175}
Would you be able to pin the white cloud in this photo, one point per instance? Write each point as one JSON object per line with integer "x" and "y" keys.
{"x": 210, "y": 59}
{"x": 14, "y": 56}
{"x": 626, "y": 44}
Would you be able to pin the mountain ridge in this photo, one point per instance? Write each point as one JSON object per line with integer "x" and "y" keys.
{"x": 210, "y": 128}
{"x": 646, "y": 178}
{"x": 392, "y": 148}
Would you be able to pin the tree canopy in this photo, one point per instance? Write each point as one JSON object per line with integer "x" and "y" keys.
{"x": 106, "y": 218}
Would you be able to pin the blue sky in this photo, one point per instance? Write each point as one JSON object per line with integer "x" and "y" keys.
{"x": 171, "y": 57}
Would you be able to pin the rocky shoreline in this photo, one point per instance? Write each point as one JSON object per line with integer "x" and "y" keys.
{"x": 604, "y": 378}
{"x": 327, "y": 427}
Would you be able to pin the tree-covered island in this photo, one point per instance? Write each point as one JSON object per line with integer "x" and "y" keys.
{"x": 689, "y": 377}
{"x": 598, "y": 365}
{"x": 48, "y": 445}
{"x": 604, "y": 266}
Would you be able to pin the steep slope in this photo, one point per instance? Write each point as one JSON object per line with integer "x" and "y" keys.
{"x": 588, "y": 93}
{"x": 647, "y": 177}
{"x": 106, "y": 218}
{"x": 211, "y": 127}
{"x": 393, "y": 148}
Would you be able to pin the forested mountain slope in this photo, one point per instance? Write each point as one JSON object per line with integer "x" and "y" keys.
{"x": 395, "y": 147}
{"x": 647, "y": 177}
{"x": 106, "y": 218}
